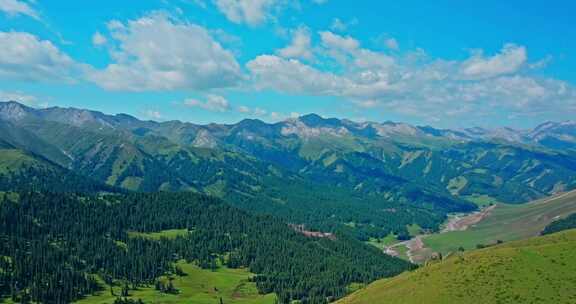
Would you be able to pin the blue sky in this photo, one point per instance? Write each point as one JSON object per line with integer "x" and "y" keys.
{"x": 441, "y": 63}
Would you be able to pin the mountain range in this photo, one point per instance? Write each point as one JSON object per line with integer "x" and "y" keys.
{"x": 367, "y": 177}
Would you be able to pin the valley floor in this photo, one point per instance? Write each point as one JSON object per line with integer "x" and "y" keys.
{"x": 494, "y": 223}
{"x": 198, "y": 286}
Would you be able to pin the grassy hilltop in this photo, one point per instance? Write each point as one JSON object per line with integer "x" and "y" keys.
{"x": 537, "y": 270}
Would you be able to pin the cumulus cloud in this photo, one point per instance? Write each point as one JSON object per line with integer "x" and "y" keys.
{"x": 510, "y": 59}
{"x": 243, "y": 109}
{"x": 276, "y": 116}
{"x": 334, "y": 41}
{"x": 259, "y": 112}
{"x": 214, "y": 103}
{"x": 18, "y": 96}
{"x": 15, "y": 8}
{"x": 416, "y": 85}
{"x": 251, "y": 12}
{"x": 340, "y": 26}
{"x": 348, "y": 52}
{"x": 392, "y": 44}
{"x": 290, "y": 75}
{"x": 98, "y": 39}
{"x": 24, "y": 56}
{"x": 300, "y": 47}
{"x": 252, "y": 111}
{"x": 158, "y": 53}
{"x": 153, "y": 114}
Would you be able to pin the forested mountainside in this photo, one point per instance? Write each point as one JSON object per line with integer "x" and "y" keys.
{"x": 306, "y": 170}
{"x": 60, "y": 247}
{"x": 66, "y": 237}
{"x": 23, "y": 171}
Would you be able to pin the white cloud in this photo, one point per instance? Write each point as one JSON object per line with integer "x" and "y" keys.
{"x": 542, "y": 63}
{"x": 260, "y": 112}
{"x": 368, "y": 104}
{"x": 333, "y": 41}
{"x": 18, "y": 96}
{"x": 277, "y": 116}
{"x": 392, "y": 44}
{"x": 351, "y": 56}
{"x": 510, "y": 59}
{"x": 15, "y": 8}
{"x": 290, "y": 75}
{"x": 252, "y": 111}
{"x": 243, "y": 109}
{"x": 153, "y": 114}
{"x": 158, "y": 53}
{"x": 300, "y": 47}
{"x": 214, "y": 103}
{"x": 200, "y": 3}
{"x": 340, "y": 26}
{"x": 368, "y": 59}
{"x": 416, "y": 85}
{"x": 98, "y": 39}
{"x": 251, "y": 12}
{"x": 24, "y": 56}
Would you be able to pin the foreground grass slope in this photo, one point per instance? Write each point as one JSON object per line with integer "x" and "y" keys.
{"x": 537, "y": 270}
{"x": 506, "y": 223}
{"x": 12, "y": 160}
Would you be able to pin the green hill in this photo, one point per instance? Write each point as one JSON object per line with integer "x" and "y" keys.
{"x": 13, "y": 160}
{"x": 537, "y": 270}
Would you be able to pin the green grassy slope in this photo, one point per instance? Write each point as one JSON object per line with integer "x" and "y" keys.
{"x": 537, "y": 270}
{"x": 12, "y": 160}
{"x": 506, "y": 223}
{"x": 168, "y": 234}
{"x": 198, "y": 286}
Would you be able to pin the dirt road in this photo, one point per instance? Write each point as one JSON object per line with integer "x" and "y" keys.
{"x": 416, "y": 249}
{"x": 462, "y": 222}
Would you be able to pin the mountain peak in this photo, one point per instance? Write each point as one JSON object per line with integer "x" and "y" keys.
{"x": 250, "y": 122}
{"x": 13, "y": 110}
{"x": 315, "y": 120}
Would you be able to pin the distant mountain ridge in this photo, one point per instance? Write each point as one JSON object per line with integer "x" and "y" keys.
{"x": 309, "y": 125}
{"x": 308, "y": 169}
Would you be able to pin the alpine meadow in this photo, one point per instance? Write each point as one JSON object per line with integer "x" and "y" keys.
{"x": 287, "y": 152}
